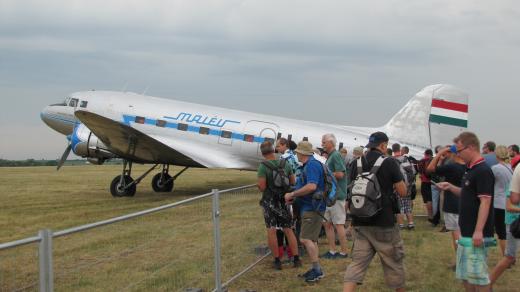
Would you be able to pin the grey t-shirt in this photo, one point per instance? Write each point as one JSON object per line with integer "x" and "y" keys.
{"x": 503, "y": 174}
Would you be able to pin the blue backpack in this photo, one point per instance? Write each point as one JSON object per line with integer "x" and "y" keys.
{"x": 329, "y": 194}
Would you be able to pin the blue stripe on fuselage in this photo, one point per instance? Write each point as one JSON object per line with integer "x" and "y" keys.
{"x": 127, "y": 119}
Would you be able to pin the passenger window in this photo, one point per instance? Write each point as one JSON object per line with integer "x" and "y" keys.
{"x": 73, "y": 102}
{"x": 340, "y": 145}
{"x": 225, "y": 134}
{"x": 160, "y": 123}
{"x": 83, "y": 103}
{"x": 139, "y": 120}
{"x": 204, "y": 131}
{"x": 249, "y": 138}
{"x": 182, "y": 127}
{"x": 305, "y": 139}
{"x": 279, "y": 135}
{"x": 289, "y": 137}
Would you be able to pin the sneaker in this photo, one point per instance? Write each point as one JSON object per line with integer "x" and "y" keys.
{"x": 304, "y": 275}
{"x": 297, "y": 263}
{"x": 277, "y": 265}
{"x": 401, "y": 226}
{"x": 328, "y": 255}
{"x": 411, "y": 226}
{"x": 340, "y": 256}
{"x": 314, "y": 276}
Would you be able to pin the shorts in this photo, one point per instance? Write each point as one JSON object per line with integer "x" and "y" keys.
{"x": 451, "y": 221}
{"x": 406, "y": 205}
{"x": 311, "y": 225}
{"x": 337, "y": 213}
{"x": 500, "y": 223}
{"x": 511, "y": 244}
{"x": 277, "y": 215}
{"x": 472, "y": 265}
{"x": 426, "y": 192}
{"x": 387, "y": 243}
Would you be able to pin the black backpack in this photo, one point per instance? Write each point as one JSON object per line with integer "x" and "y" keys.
{"x": 280, "y": 183}
{"x": 365, "y": 197}
{"x": 409, "y": 174}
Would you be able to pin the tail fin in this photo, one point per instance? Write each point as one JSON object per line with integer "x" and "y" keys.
{"x": 434, "y": 116}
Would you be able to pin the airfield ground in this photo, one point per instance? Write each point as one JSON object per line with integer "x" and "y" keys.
{"x": 39, "y": 197}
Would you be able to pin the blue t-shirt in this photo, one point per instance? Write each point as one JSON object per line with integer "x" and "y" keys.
{"x": 491, "y": 159}
{"x": 312, "y": 173}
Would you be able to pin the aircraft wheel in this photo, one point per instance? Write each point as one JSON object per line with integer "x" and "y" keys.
{"x": 116, "y": 189}
{"x": 159, "y": 186}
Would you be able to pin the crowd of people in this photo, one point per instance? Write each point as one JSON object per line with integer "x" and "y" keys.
{"x": 476, "y": 190}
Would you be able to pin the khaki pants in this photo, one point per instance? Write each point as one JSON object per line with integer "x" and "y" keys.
{"x": 387, "y": 243}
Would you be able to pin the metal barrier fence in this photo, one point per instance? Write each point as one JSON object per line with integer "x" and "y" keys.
{"x": 195, "y": 243}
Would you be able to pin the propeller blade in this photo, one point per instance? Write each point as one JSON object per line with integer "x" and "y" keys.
{"x": 64, "y": 157}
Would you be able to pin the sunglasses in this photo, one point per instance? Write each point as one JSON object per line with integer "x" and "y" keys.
{"x": 453, "y": 149}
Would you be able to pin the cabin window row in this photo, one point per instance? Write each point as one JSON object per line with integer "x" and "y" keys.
{"x": 202, "y": 130}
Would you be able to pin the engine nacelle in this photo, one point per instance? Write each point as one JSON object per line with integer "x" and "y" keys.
{"x": 85, "y": 144}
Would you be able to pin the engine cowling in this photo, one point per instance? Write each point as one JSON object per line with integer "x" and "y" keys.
{"x": 85, "y": 144}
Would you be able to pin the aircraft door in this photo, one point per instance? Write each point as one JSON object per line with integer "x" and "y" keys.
{"x": 253, "y": 134}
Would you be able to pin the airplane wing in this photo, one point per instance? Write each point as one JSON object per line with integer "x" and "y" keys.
{"x": 132, "y": 144}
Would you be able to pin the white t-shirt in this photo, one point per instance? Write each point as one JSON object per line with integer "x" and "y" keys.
{"x": 515, "y": 181}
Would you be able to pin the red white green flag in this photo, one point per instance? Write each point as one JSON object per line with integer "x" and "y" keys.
{"x": 449, "y": 113}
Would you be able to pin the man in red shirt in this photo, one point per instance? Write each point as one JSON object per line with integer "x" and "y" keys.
{"x": 514, "y": 153}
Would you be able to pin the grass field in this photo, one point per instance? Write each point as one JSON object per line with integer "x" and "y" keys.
{"x": 162, "y": 245}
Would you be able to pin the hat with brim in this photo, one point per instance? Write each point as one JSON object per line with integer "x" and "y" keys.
{"x": 304, "y": 148}
{"x": 376, "y": 139}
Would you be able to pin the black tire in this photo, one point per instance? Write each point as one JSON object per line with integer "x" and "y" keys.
{"x": 117, "y": 191}
{"x": 159, "y": 186}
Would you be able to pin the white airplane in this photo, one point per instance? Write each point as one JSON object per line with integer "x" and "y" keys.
{"x": 101, "y": 125}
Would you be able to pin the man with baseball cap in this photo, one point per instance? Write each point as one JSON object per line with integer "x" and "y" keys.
{"x": 311, "y": 182}
{"x": 378, "y": 233}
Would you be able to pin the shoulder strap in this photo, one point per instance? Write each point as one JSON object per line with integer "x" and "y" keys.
{"x": 282, "y": 163}
{"x": 268, "y": 165}
{"x": 359, "y": 166}
{"x": 377, "y": 165}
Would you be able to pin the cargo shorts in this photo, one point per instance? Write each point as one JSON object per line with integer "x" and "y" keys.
{"x": 387, "y": 243}
{"x": 311, "y": 225}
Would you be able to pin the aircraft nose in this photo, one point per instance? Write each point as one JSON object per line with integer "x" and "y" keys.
{"x": 45, "y": 114}
{"x": 57, "y": 119}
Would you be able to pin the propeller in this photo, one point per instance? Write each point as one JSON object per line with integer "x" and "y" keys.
{"x": 64, "y": 156}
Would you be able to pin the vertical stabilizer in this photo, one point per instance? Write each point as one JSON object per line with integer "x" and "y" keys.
{"x": 434, "y": 116}
{"x": 449, "y": 114}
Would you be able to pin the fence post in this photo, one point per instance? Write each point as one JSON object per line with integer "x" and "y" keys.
{"x": 216, "y": 233}
{"x": 45, "y": 259}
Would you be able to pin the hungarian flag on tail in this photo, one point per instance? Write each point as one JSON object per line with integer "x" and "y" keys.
{"x": 449, "y": 113}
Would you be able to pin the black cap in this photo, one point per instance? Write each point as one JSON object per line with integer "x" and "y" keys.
{"x": 376, "y": 139}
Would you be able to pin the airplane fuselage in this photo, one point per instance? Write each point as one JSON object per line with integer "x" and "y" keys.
{"x": 230, "y": 137}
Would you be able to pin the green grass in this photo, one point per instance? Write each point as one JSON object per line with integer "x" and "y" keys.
{"x": 172, "y": 250}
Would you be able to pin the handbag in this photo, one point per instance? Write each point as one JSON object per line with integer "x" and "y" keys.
{"x": 514, "y": 228}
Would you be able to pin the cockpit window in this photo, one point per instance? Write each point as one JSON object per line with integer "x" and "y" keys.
{"x": 73, "y": 102}
{"x": 83, "y": 103}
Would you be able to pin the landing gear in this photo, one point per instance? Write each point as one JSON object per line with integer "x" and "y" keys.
{"x": 163, "y": 182}
{"x": 125, "y": 186}
{"x": 122, "y": 186}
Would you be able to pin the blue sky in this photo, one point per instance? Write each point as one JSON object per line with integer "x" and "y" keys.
{"x": 343, "y": 62}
